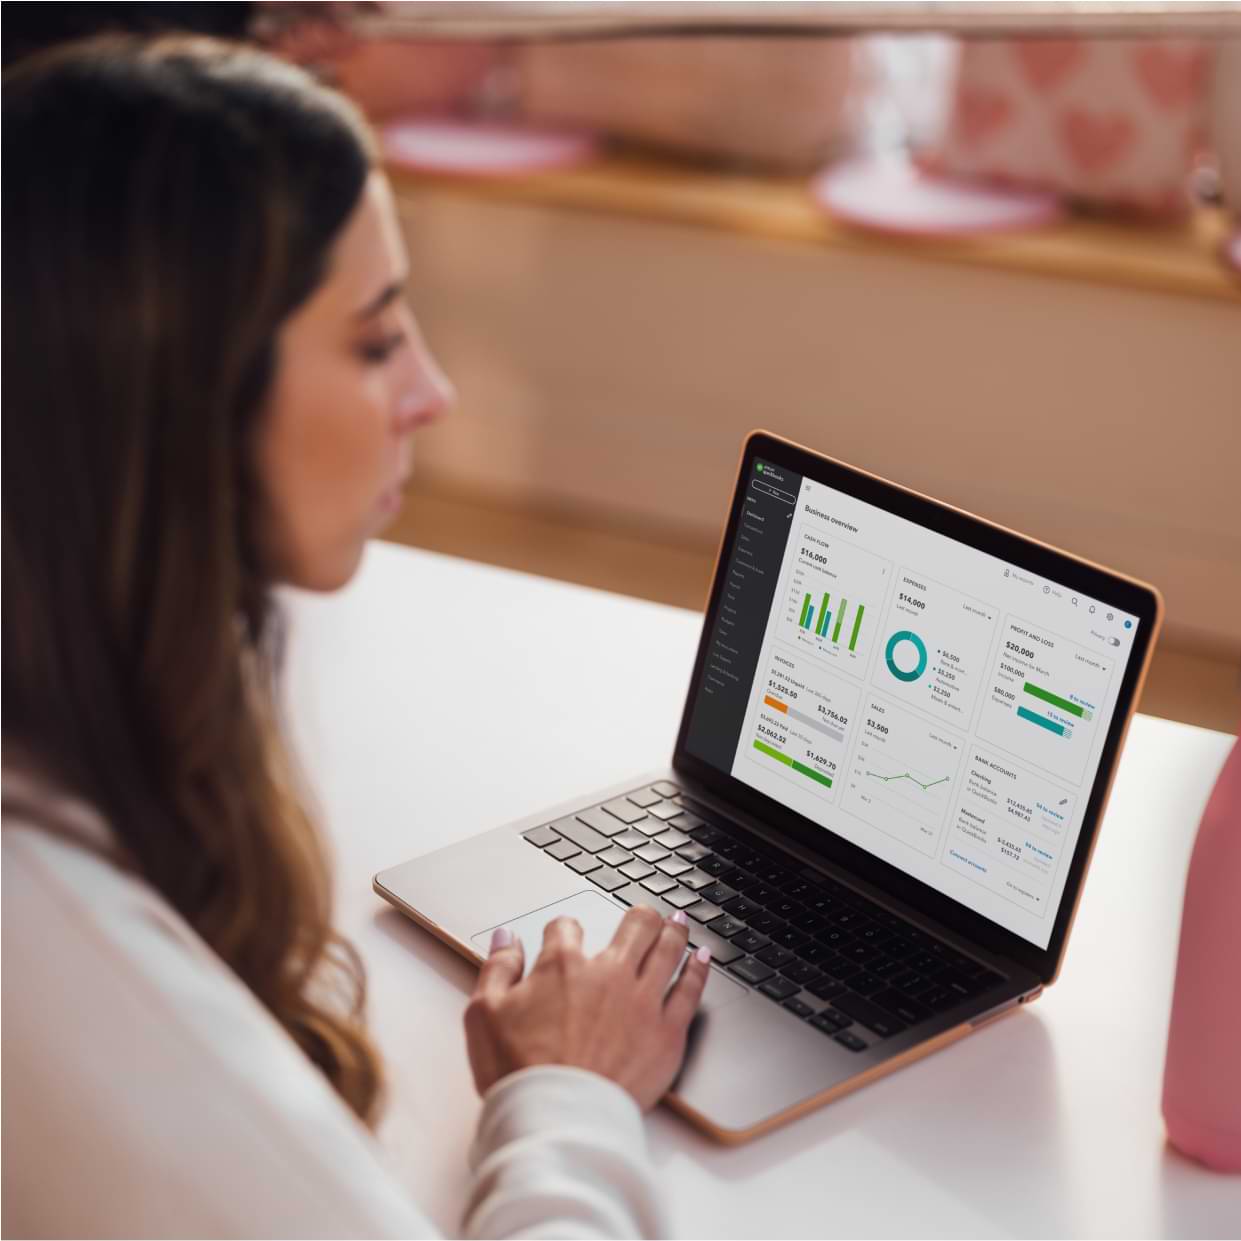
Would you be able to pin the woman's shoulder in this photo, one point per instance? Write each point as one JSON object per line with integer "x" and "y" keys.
{"x": 62, "y": 859}
{"x": 131, "y": 1045}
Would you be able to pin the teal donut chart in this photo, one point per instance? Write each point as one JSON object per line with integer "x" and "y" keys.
{"x": 905, "y": 635}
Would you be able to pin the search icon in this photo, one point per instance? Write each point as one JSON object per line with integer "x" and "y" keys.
{"x": 1092, "y": 609}
{"x": 1075, "y": 601}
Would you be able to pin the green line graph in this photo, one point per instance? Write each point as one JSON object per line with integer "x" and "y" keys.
{"x": 905, "y": 775}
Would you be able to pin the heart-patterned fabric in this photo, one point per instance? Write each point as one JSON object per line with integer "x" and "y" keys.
{"x": 1115, "y": 121}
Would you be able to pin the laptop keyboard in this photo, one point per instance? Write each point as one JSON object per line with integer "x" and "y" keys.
{"x": 824, "y": 952}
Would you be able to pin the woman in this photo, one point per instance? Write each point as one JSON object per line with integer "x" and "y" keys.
{"x": 211, "y": 383}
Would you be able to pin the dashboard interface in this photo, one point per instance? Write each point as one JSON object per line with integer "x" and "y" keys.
{"x": 928, "y": 702}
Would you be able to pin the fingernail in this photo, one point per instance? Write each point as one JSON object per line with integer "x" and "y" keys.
{"x": 679, "y": 918}
{"x": 703, "y": 956}
{"x": 501, "y": 937}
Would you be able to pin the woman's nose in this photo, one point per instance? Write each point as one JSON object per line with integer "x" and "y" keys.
{"x": 431, "y": 393}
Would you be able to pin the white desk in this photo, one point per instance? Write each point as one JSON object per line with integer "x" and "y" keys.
{"x": 434, "y": 698}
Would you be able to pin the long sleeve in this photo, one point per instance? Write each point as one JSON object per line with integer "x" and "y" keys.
{"x": 148, "y": 1093}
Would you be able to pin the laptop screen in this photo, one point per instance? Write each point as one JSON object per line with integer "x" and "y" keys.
{"x": 928, "y": 702}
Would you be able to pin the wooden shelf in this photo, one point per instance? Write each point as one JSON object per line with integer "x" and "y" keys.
{"x": 1179, "y": 259}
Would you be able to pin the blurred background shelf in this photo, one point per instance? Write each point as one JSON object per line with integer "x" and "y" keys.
{"x": 1181, "y": 257}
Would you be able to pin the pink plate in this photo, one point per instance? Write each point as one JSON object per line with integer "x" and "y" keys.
{"x": 481, "y": 148}
{"x": 893, "y": 196}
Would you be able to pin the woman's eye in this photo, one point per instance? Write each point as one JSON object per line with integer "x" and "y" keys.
{"x": 381, "y": 350}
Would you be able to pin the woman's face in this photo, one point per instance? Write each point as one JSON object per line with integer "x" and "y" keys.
{"x": 353, "y": 382}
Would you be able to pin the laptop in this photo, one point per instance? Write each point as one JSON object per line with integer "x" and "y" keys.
{"x": 901, "y": 728}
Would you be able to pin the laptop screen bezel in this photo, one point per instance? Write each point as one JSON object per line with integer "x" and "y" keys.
{"x": 1077, "y": 575}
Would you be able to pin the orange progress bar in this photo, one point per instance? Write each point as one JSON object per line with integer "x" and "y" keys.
{"x": 775, "y": 702}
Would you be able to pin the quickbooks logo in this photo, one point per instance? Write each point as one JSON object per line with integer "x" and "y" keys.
{"x": 758, "y": 465}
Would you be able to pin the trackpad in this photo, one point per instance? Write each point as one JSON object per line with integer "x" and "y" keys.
{"x": 599, "y": 918}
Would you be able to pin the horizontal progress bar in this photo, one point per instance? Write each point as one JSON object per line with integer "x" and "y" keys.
{"x": 763, "y": 748}
{"x": 1055, "y": 700}
{"x": 809, "y": 720}
{"x": 1042, "y": 721}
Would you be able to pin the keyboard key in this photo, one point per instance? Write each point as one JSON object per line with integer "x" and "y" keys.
{"x": 645, "y": 797}
{"x": 742, "y": 907}
{"x": 681, "y": 898}
{"x": 615, "y": 856}
{"x": 722, "y": 952}
{"x": 726, "y": 926}
{"x": 664, "y": 810}
{"x": 790, "y": 938}
{"x": 814, "y": 953}
{"x": 885, "y": 967}
{"x": 637, "y": 869}
{"x": 767, "y": 923}
{"x": 909, "y": 1011}
{"x": 659, "y": 884}
{"x": 603, "y": 823}
{"x": 875, "y": 934}
{"x": 541, "y": 837}
{"x": 673, "y": 865}
{"x": 694, "y": 852}
{"x": 846, "y": 1038}
{"x": 651, "y": 852}
{"x": 827, "y": 988}
{"x": 923, "y": 962}
{"x": 750, "y": 942}
{"x": 666, "y": 788}
{"x": 751, "y": 970}
{"x": 672, "y": 839}
{"x": 797, "y": 889}
{"x": 826, "y": 1021}
{"x": 706, "y": 834}
{"x": 776, "y": 956}
{"x": 870, "y": 1015}
{"x": 908, "y": 981}
{"x": 801, "y": 972}
{"x": 715, "y": 865}
{"x": 703, "y": 911}
{"x": 860, "y": 952}
{"x": 607, "y": 878}
{"x": 939, "y": 998}
{"x": 562, "y": 850}
{"x": 629, "y": 839}
{"x": 586, "y": 838}
{"x": 866, "y": 983}
{"x": 718, "y": 893}
{"x": 624, "y": 810}
{"x": 650, "y": 827}
{"x": 900, "y": 948}
{"x": 798, "y": 1008}
{"x": 779, "y": 988}
{"x": 584, "y": 863}
{"x": 695, "y": 880}
{"x": 808, "y": 921}
{"x": 635, "y": 894}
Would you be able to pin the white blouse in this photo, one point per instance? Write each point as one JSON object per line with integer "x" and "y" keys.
{"x": 148, "y": 1093}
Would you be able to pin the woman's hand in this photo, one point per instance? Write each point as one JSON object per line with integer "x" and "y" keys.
{"x": 607, "y": 1013}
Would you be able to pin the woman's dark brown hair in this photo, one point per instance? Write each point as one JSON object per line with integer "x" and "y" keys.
{"x": 166, "y": 207}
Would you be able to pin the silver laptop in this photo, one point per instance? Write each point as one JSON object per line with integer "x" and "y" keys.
{"x": 900, "y": 732}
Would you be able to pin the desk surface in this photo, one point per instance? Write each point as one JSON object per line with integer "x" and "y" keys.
{"x": 434, "y": 698}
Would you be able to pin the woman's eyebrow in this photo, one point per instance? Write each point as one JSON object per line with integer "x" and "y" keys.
{"x": 386, "y": 295}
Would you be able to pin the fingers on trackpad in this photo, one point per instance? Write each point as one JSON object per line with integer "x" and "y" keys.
{"x": 598, "y": 917}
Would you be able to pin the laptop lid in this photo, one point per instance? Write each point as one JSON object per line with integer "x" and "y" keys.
{"x": 927, "y": 699}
